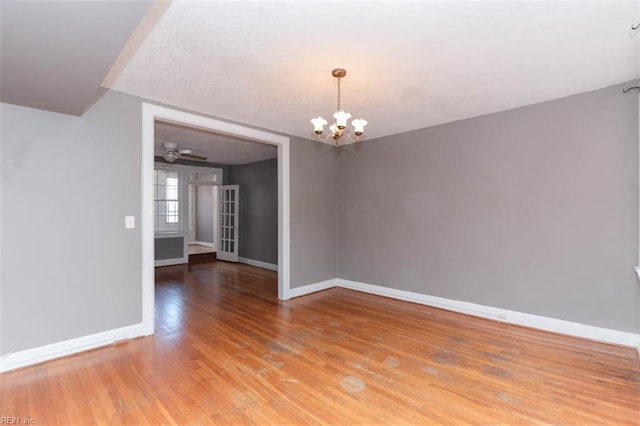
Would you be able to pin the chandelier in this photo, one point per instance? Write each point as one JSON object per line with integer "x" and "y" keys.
{"x": 339, "y": 128}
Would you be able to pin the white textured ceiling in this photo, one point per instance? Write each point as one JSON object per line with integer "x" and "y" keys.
{"x": 217, "y": 148}
{"x": 410, "y": 65}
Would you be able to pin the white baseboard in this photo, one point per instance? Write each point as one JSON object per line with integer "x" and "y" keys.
{"x": 169, "y": 262}
{"x": 512, "y": 317}
{"x": 312, "y": 288}
{"x": 201, "y": 243}
{"x": 258, "y": 263}
{"x": 23, "y": 358}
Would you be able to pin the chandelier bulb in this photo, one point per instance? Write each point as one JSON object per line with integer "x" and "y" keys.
{"x": 341, "y": 119}
{"x": 358, "y": 126}
{"x": 318, "y": 125}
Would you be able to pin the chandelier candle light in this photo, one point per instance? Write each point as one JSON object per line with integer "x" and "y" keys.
{"x": 339, "y": 127}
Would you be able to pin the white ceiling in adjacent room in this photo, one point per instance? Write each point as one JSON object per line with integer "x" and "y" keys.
{"x": 216, "y": 148}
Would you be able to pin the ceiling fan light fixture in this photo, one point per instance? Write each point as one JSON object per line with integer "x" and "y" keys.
{"x": 170, "y": 155}
{"x": 338, "y": 128}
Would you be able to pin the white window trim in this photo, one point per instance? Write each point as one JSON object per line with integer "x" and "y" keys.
{"x": 151, "y": 113}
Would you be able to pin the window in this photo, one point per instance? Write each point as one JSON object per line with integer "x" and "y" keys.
{"x": 172, "y": 200}
{"x": 205, "y": 177}
{"x": 167, "y": 200}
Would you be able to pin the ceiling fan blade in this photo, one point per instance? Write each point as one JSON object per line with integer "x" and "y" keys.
{"x": 193, "y": 157}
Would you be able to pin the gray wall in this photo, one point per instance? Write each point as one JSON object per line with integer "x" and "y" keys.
{"x": 258, "y": 209}
{"x": 69, "y": 267}
{"x": 168, "y": 248}
{"x": 67, "y": 184}
{"x": 204, "y": 213}
{"x": 314, "y": 212}
{"x": 533, "y": 209}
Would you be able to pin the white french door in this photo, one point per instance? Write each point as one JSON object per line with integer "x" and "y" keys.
{"x": 228, "y": 198}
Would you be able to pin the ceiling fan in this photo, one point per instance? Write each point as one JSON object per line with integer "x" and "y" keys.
{"x": 171, "y": 153}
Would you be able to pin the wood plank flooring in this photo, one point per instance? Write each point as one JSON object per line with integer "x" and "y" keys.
{"x": 226, "y": 351}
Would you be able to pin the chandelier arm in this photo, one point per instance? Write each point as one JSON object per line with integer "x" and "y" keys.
{"x": 324, "y": 138}
{"x": 342, "y": 135}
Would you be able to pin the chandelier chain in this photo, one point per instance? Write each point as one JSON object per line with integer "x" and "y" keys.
{"x": 338, "y": 109}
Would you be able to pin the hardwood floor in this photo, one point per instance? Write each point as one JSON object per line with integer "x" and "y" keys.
{"x": 226, "y": 351}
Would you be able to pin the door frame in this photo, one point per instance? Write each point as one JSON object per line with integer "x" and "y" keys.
{"x": 151, "y": 113}
{"x": 214, "y": 184}
{"x": 214, "y": 222}
{"x": 222, "y": 254}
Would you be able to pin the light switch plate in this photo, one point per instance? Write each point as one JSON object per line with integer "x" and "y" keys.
{"x": 129, "y": 222}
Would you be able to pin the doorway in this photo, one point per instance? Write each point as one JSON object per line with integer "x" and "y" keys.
{"x": 202, "y": 219}
{"x": 152, "y": 113}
